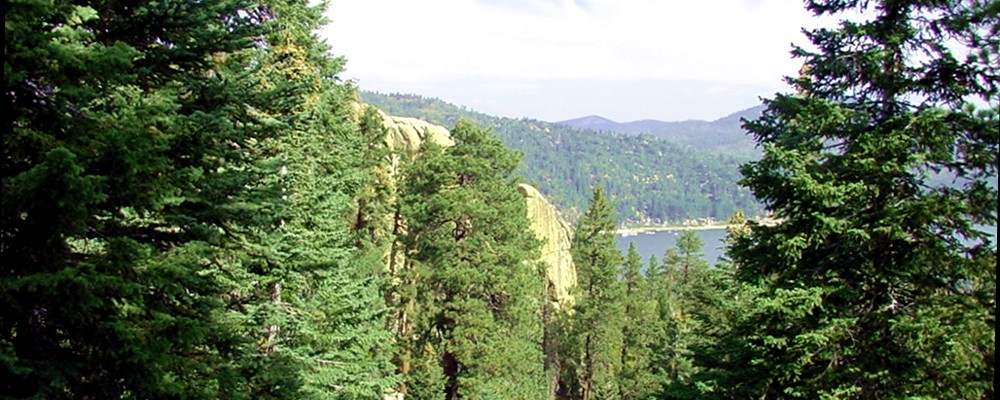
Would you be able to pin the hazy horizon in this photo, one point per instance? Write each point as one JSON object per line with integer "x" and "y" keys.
{"x": 727, "y": 114}
{"x": 625, "y": 60}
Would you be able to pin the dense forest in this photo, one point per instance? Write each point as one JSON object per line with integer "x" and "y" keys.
{"x": 649, "y": 180}
{"x": 195, "y": 206}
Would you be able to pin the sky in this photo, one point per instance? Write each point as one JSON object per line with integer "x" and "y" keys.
{"x": 555, "y": 60}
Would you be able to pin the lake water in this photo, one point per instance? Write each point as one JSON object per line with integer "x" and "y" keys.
{"x": 656, "y": 243}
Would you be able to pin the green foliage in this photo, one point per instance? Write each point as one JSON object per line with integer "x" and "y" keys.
{"x": 638, "y": 378}
{"x": 877, "y": 282}
{"x": 717, "y": 352}
{"x": 688, "y": 295}
{"x": 648, "y": 179}
{"x": 152, "y": 246}
{"x": 331, "y": 313}
{"x": 593, "y": 336}
{"x": 470, "y": 287}
{"x": 112, "y": 197}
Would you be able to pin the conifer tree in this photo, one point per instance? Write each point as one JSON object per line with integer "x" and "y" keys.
{"x": 593, "y": 337}
{"x": 637, "y": 379}
{"x": 330, "y": 313}
{"x": 686, "y": 289}
{"x": 722, "y": 352}
{"x": 476, "y": 290}
{"x": 152, "y": 247}
{"x": 877, "y": 282}
{"x": 374, "y": 219}
{"x": 126, "y": 161}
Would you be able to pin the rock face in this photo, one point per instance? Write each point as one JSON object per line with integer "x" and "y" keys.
{"x": 406, "y": 135}
{"x": 557, "y": 236}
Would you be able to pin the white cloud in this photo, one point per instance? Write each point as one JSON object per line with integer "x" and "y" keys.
{"x": 496, "y": 45}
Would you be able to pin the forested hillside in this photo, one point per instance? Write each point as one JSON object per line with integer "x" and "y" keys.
{"x": 648, "y": 179}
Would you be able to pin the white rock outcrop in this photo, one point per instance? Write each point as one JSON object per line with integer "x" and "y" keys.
{"x": 556, "y": 236}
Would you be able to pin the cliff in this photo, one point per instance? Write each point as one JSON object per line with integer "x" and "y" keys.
{"x": 556, "y": 236}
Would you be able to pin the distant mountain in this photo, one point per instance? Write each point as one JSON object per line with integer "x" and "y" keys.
{"x": 724, "y": 135}
{"x": 650, "y": 180}
{"x": 593, "y": 122}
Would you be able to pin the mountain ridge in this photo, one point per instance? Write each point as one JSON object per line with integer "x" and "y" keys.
{"x": 724, "y": 135}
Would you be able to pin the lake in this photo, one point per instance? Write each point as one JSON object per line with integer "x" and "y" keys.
{"x": 656, "y": 243}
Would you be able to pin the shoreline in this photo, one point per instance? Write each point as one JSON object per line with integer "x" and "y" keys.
{"x": 637, "y": 229}
{"x": 668, "y": 228}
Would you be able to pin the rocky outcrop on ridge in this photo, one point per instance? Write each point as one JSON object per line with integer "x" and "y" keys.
{"x": 408, "y": 134}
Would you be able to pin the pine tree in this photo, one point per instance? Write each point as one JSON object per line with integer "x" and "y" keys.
{"x": 152, "y": 247}
{"x": 475, "y": 289}
{"x": 722, "y": 352}
{"x": 307, "y": 289}
{"x": 637, "y": 379}
{"x": 877, "y": 283}
{"x": 685, "y": 296}
{"x": 593, "y": 338}
{"x": 691, "y": 266}
{"x": 330, "y": 316}
{"x": 374, "y": 219}
{"x": 125, "y": 162}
